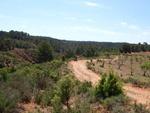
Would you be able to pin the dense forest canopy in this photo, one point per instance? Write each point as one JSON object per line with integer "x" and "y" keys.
{"x": 16, "y": 39}
{"x": 24, "y": 40}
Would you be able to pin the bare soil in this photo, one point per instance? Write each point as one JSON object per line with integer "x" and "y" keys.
{"x": 81, "y": 72}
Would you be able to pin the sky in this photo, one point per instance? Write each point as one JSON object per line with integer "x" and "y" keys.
{"x": 80, "y": 20}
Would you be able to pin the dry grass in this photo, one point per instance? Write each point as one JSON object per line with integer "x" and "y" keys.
{"x": 125, "y": 70}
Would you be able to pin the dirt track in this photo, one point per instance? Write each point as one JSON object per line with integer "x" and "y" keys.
{"x": 82, "y": 73}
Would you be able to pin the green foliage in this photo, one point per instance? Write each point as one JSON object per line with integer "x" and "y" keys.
{"x": 66, "y": 71}
{"x": 90, "y": 51}
{"x": 139, "y": 108}
{"x": 1, "y": 64}
{"x": 38, "y": 97}
{"x": 145, "y": 67}
{"x": 101, "y": 66}
{"x": 108, "y": 86}
{"x": 82, "y": 107}
{"x": 44, "y": 98}
{"x": 69, "y": 52}
{"x": 113, "y": 102}
{"x": 54, "y": 76}
{"x": 3, "y": 74}
{"x": 90, "y": 65}
{"x": 98, "y": 60}
{"x": 44, "y": 52}
{"x": 66, "y": 86}
{"x": 21, "y": 84}
{"x": 56, "y": 102}
{"x": 63, "y": 58}
{"x": 79, "y": 50}
{"x": 39, "y": 78}
{"x": 8, "y": 101}
{"x": 84, "y": 87}
{"x": 126, "y": 49}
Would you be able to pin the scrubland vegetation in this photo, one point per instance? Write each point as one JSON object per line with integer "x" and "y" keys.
{"x": 35, "y": 70}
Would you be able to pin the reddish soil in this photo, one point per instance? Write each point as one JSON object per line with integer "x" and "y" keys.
{"x": 22, "y": 54}
{"x": 82, "y": 73}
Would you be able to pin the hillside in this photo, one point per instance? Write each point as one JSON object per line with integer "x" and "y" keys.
{"x": 26, "y": 41}
{"x": 35, "y": 75}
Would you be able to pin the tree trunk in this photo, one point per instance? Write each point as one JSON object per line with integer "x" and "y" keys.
{"x": 67, "y": 105}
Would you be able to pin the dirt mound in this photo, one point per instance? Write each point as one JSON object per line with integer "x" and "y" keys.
{"x": 82, "y": 73}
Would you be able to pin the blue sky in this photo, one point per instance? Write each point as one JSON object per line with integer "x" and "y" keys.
{"x": 81, "y": 20}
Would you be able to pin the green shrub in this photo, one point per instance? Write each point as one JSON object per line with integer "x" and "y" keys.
{"x": 84, "y": 87}
{"x": 139, "y": 108}
{"x": 130, "y": 80}
{"x": 65, "y": 88}
{"x": 47, "y": 95}
{"x": 67, "y": 71}
{"x": 101, "y": 66}
{"x": 108, "y": 86}
{"x": 54, "y": 76}
{"x": 20, "y": 84}
{"x": 90, "y": 66}
{"x": 3, "y": 74}
{"x": 38, "y": 97}
{"x": 1, "y": 64}
{"x": 63, "y": 58}
{"x": 8, "y": 101}
{"x": 56, "y": 102}
{"x": 98, "y": 60}
{"x": 113, "y": 102}
{"x": 99, "y": 72}
{"x": 109, "y": 103}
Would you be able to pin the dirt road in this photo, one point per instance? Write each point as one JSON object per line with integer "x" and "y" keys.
{"x": 82, "y": 73}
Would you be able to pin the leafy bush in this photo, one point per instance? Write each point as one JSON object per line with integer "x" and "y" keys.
{"x": 66, "y": 71}
{"x": 8, "y": 101}
{"x": 38, "y": 97}
{"x": 89, "y": 65}
{"x": 100, "y": 72}
{"x": 63, "y": 58}
{"x": 98, "y": 60}
{"x": 84, "y": 87}
{"x": 113, "y": 102}
{"x": 135, "y": 82}
{"x": 65, "y": 87}
{"x": 54, "y": 76}
{"x": 139, "y": 108}
{"x": 21, "y": 85}
{"x": 3, "y": 74}
{"x": 44, "y": 98}
{"x": 108, "y": 86}
{"x": 101, "y": 66}
{"x": 1, "y": 64}
{"x": 56, "y": 102}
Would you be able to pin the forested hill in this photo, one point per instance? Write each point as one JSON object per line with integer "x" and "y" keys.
{"x": 24, "y": 40}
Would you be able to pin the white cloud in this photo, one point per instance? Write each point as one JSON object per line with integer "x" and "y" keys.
{"x": 89, "y": 20}
{"x": 123, "y": 23}
{"x": 133, "y": 27}
{"x": 94, "y": 4}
